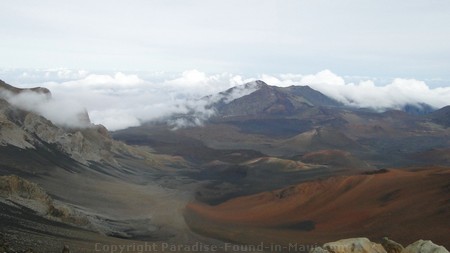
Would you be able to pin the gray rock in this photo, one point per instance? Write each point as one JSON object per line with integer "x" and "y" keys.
{"x": 26, "y": 129}
{"x": 422, "y": 246}
{"x": 319, "y": 250}
{"x": 66, "y": 249}
{"x": 354, "y": 245}
{"x": 391, "y": 246}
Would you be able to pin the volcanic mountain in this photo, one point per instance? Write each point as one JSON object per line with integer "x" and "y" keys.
{"x": 291, "y": 121}
{"x": 271, "y": 100}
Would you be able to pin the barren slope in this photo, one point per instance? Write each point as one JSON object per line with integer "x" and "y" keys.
{"x": 401, "y": 204}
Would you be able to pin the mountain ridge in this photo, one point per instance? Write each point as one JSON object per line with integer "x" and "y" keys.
{"x": 15, "y": 90}
{"x": 272, "y": 100}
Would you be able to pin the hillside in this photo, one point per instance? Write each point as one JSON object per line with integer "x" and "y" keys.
{"x": 78, "y": 183}
{"x": 271, "y": 100}
{"x": 400, "y": 204}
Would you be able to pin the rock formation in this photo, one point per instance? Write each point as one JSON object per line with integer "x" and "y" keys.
{"x": 16, "y": 187}
{"x": 16, "y": 190}
{"x": 424, "y": 246}
{"x": 354, "y": 245}
{"x": 364, "y": 245}
{"x": 28, "y": 130}
{"x": 391, "y": 246}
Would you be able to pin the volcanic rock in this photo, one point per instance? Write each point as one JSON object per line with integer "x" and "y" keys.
{"x": 390, "y": 246}
{"x": 354, "y": 245}
{"x": 424, "y": 246}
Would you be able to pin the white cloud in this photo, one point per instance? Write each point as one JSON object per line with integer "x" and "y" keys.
{"x": 324, "y": 77}
{"x": 119, "y": 100}
{"x": 195, "y": 83}
{"x": 95, "y": 81}
{"x": 190, "y": 78}
{"x": 65, "y": 112}
{"x": 114, "y": 118}
{"x": 29, "y": 77}
{"x": 281, "y": 81}
{"x": 395, "y": 94}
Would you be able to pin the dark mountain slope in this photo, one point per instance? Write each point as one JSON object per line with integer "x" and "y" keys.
{"x": 271, "y": 100}
{"x": 441, "y": 116}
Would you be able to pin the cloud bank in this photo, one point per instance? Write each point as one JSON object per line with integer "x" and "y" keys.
{"x": 120, "y": 100}
{"x": 365, "y": 93}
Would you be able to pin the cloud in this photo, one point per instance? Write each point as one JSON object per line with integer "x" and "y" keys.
{"x": 366, "y": 93}
{"x": 31, "y": 76}
{"x": 68, "y": 113}
{"x": 100, "y": 82}
{"x": 195, "y": 83}
{"x": 115, "y": 118}
{"x": 120, "y": 100}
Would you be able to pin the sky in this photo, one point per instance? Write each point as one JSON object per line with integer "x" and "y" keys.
{"x": 128, "y": 62}
{"x": 382, "y": 38}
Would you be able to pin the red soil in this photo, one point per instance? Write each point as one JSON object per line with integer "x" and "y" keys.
{"x": 403, "y": 205}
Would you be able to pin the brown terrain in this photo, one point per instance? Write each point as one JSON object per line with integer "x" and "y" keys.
{"x": 401, "y": 204}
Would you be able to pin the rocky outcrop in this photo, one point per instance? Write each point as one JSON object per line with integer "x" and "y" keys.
{"x": 10, "y": 133}
{"x": 14, "y": 187}
{"x": 424, "y": 246}
{"x": 28, "y": 130}
{"x": 354, "y": 245}
{"x": 364, "y": 245}
{"x": 83, "y": 145}
{"x": 319, "y": 250}
{"x": 390, "y": 246}
{"x": 15, "y": 190}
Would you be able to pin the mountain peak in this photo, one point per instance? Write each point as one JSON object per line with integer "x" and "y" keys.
{"x": 15, "y": 90}
{"x": 256, "y": 84}
{"x": 272, "y": 100}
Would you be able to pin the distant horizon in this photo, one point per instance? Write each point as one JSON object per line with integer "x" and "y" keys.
{"x": 37, "y": 75}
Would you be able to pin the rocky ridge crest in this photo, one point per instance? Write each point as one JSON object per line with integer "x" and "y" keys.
{"x": 28, "y": 130}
